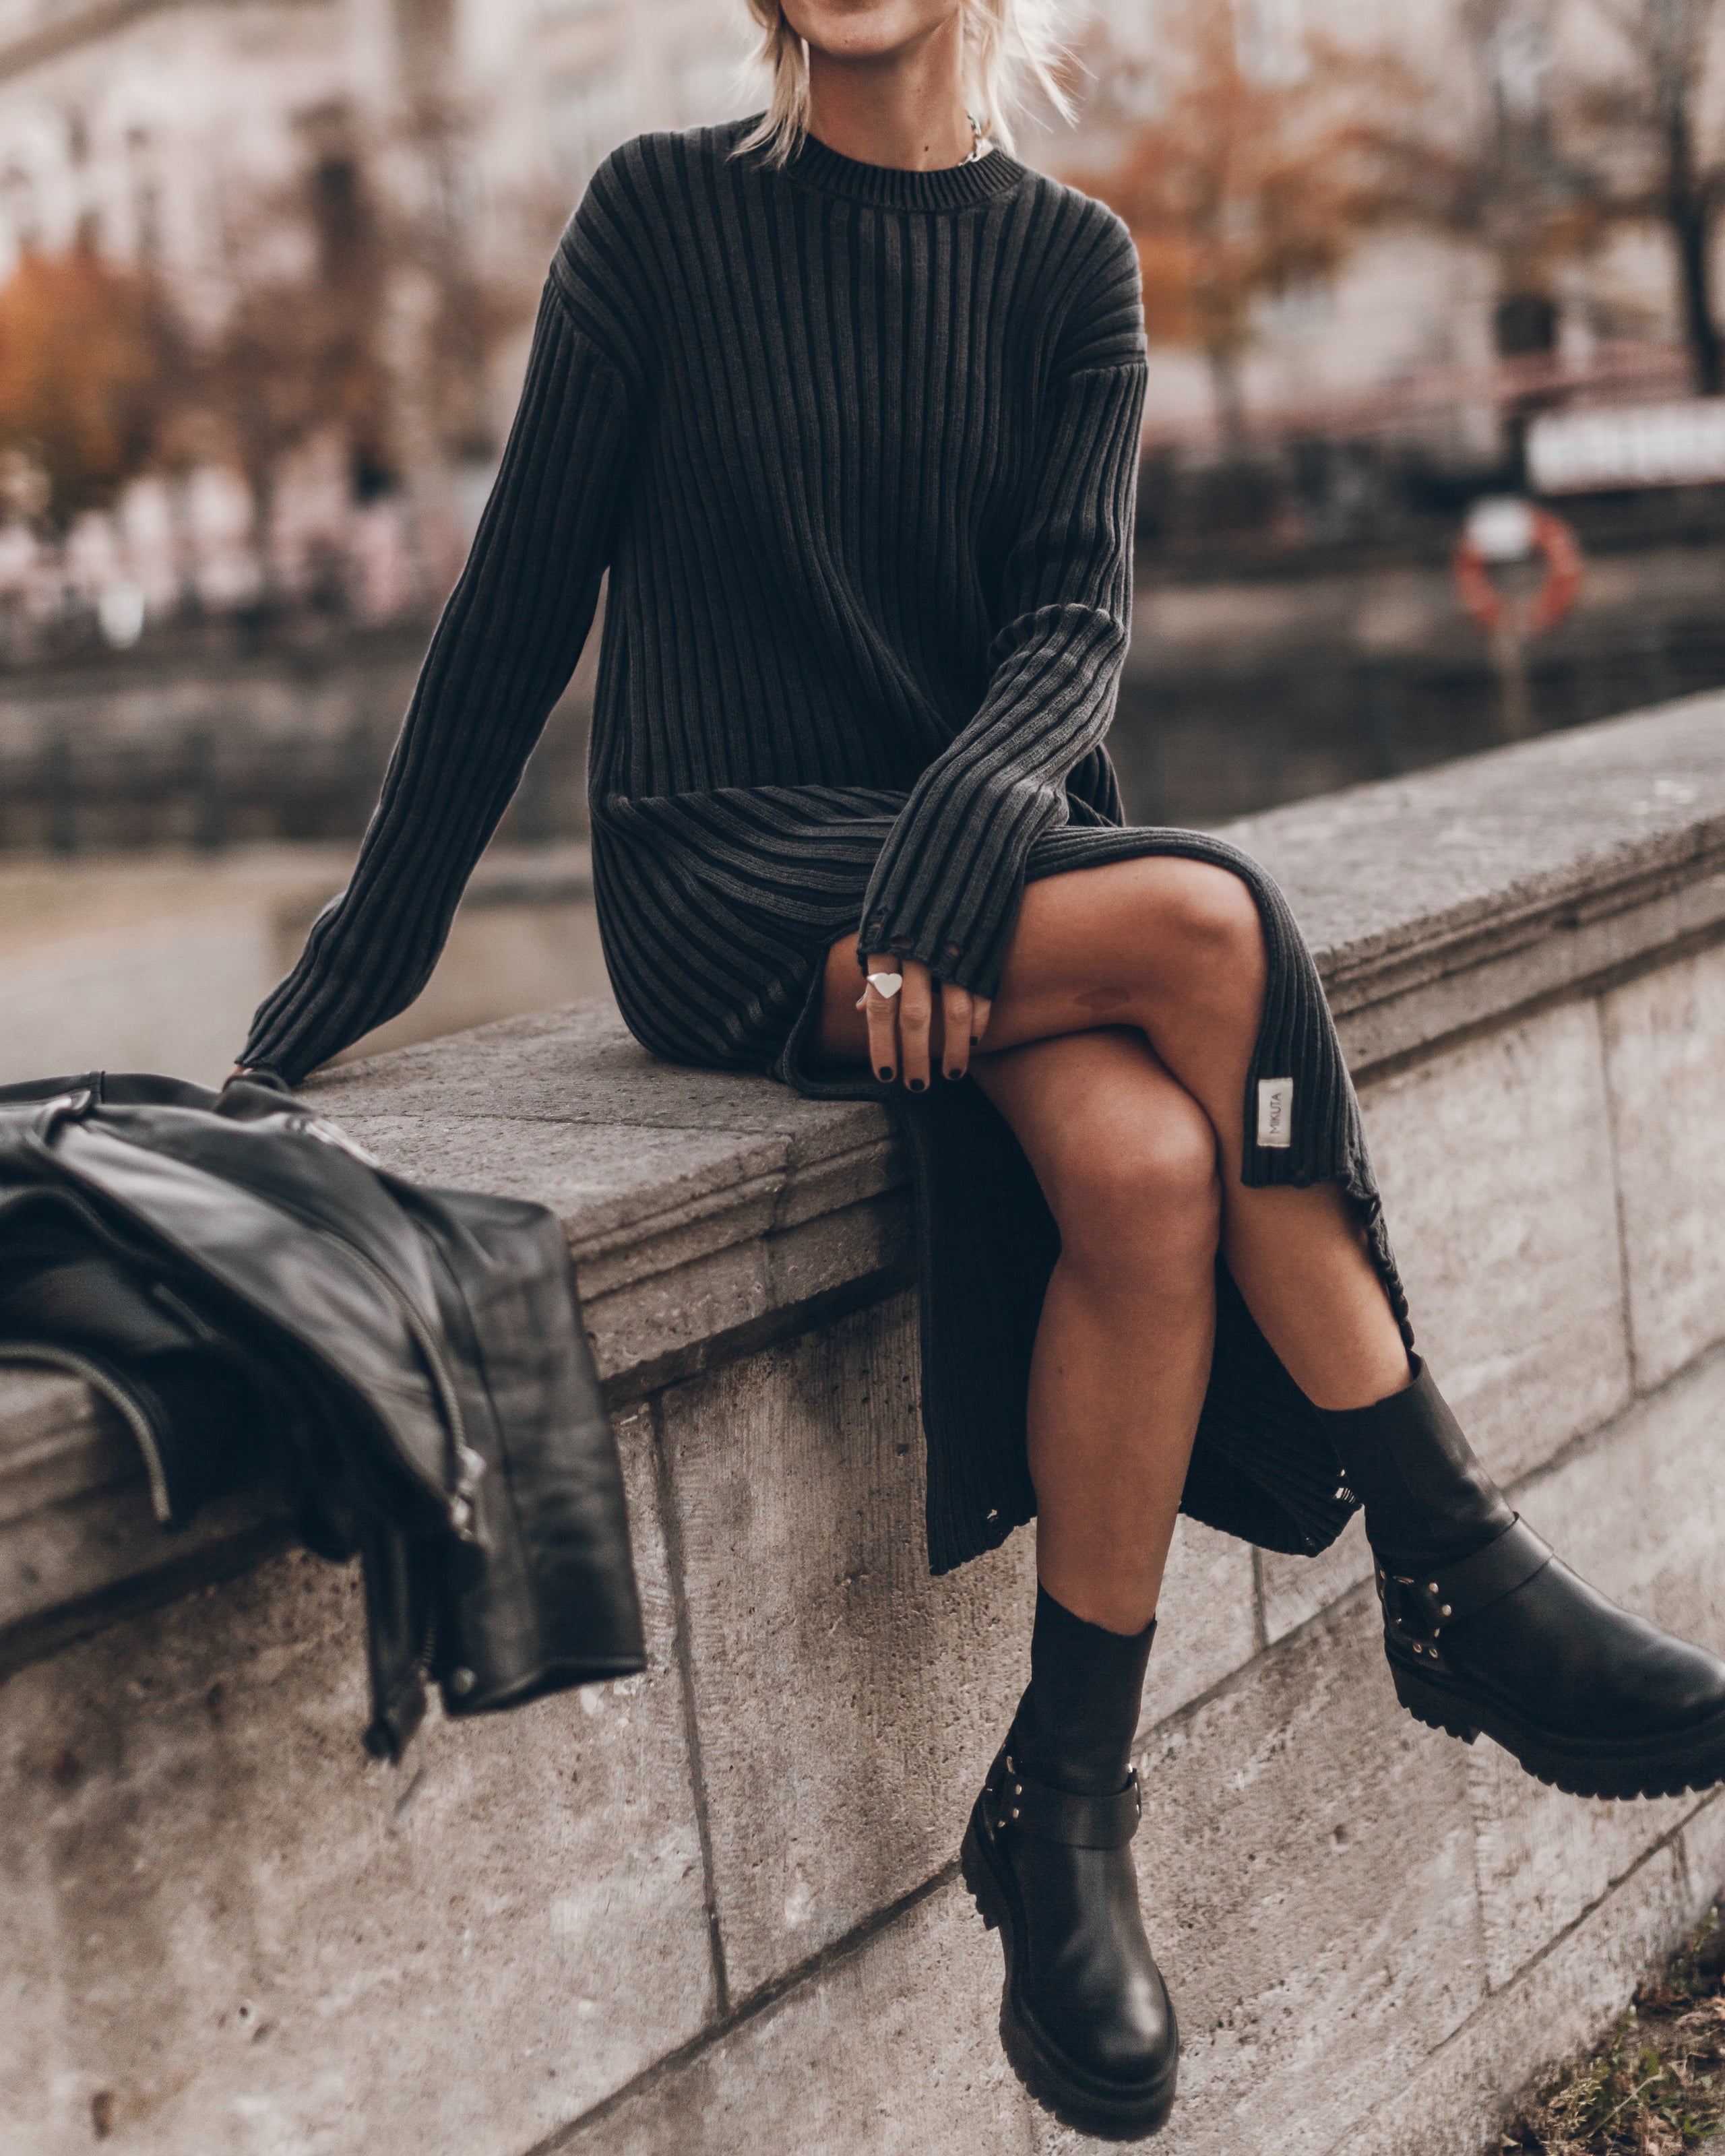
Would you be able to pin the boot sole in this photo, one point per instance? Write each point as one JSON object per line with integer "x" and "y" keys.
{"x": 1631, "y": 1769}
{"x": 1047, "y": 2075}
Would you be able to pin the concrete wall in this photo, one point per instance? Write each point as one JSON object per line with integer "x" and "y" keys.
{"x": 714, "y": 1908}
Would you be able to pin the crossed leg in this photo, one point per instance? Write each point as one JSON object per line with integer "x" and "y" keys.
{"x": 1118, "y": 1050}
{"x": 1127, "y": 1159}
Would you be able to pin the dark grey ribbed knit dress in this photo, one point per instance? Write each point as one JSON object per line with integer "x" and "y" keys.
{"x": 858, "y": 448}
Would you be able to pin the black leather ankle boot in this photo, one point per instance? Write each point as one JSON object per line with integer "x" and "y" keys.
{"x": 1486, "y": 1629}
{"x": 1085, "y": 2018}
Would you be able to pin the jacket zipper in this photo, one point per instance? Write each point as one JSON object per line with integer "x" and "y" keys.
{"x": 100, "y": 1381}
{"x": 467, "y": 1465}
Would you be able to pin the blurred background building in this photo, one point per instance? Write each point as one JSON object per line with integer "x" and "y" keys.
{"x": 272, "y": 264}
{"x": 268, "y": 268}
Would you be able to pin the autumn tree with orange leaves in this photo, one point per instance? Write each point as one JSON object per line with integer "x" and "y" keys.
{"x": 88, "y": 362}
{"x": 1245, "y": 182}
{"x": 100, "y": 380}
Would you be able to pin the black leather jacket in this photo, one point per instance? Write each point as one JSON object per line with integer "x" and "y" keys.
{"x": 255, "y": 1296}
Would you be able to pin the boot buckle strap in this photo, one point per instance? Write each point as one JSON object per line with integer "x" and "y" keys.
{"x": 1417, "y": 1606}
{"x": 1039, "y": 1808}
{"x": 1412, "y": 1617}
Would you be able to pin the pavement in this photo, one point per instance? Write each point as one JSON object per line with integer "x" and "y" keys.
{"x": 156, "y": 961}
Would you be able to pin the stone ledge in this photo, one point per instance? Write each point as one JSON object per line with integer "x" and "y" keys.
{"x": 710, "y": 1213}
{"x": 79, "y": 1545}
{"x": 1438, "y": 904}
{"x": 699, "y": 1206}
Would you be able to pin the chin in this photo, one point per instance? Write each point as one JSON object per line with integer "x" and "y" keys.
{"x": 866, "y": 29}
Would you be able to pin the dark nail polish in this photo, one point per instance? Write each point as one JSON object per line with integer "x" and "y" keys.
{"x": 886, "y": 1073}
{"x": 952, "y": 1076}
{"x": 974, "y": 1039}
{"x": 916, "y": 1085}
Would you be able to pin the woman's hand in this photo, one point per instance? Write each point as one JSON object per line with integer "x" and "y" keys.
{"x": 900, "y": 1024}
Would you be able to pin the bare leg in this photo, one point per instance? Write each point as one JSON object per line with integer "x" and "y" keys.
{"x": 1128, "y": 1161}
{"x": 1169, "y": 953}
{"x": 1173, "y": 949}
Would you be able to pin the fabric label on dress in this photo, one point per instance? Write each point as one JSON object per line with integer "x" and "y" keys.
{"x": 1275, "y": 1112}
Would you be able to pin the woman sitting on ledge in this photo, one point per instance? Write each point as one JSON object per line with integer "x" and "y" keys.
{"x": 848, "y": 401}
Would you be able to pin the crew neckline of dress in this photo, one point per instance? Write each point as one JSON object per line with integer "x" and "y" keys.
{"x": 890, "y": 186}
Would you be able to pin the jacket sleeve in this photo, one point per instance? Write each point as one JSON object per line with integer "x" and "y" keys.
{"x": 946, "y": 886}
{"x": 500, "y": 657}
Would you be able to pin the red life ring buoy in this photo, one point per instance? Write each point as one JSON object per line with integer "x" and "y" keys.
{"x": 1556, "y": 544}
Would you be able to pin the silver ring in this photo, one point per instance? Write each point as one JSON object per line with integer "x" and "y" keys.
{"x": 887, "y": 984}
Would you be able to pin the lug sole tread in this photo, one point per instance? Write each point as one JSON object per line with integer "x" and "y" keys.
{"x": 1616, "y": 1781}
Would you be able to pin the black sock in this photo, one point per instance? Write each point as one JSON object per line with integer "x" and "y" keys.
{"x": 1428, "y": 1499}
{"x": 1078, "y": 1719}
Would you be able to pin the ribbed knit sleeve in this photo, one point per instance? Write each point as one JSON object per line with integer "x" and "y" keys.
{"x": 501, "y": 656}
{"x": 946, "y": 886}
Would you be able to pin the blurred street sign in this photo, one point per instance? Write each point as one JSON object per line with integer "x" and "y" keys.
{"x": 1634, "y": 446}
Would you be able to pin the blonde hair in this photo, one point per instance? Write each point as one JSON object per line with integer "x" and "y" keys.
{"x": 1008, "y": 45}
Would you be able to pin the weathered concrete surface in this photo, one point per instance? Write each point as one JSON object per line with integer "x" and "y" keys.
{"x": 1210, "y": 1619}
{"x": 682, "y": 1237}
{"x": 1515, "y": 855}
{"x": 1665, "y": 1037}
{"x": 1636, "y": 1518}
{"x": 1306, "y": 1866}
{"x": 887, "y": 2051}
{"x": 1559, "y": 2003}
{"x": 1577, "y": 1899}
{"x": 796, "y": 1512}
{"x": 1452, "y": 2104}
{"x": 1292, "y": 1590}
{"x": 78, "y": 1536}
{"x": 697, "y": 1204}
{"x": 793, "y": 1510}
{"x": 1497, "y": 1175}
{"x": 225, "y": 1929}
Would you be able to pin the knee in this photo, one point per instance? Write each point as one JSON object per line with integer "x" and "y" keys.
{"x": 1142, "y": 1200}
{"x": 1209, "y": 930}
